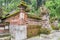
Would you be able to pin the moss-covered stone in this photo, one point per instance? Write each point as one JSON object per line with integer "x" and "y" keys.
{"x": 33, "y": 30}
{"x": 22, "y": 3}
{"x": 34, "y": 16}
{"x": 54, "y": 28}
{"x": 29, "y": 15}
{"x": 45, "y": 31}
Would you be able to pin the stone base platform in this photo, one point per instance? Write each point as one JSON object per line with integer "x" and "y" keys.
{"x": 5, "y": 36}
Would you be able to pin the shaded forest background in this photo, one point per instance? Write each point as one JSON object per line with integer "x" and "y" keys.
{"x": 8, "y": 6}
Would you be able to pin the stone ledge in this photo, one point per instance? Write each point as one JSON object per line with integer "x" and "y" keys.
{"x": 5, "y": 38}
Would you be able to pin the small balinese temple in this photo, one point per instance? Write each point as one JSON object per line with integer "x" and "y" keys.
{"x": 19, "y": 21}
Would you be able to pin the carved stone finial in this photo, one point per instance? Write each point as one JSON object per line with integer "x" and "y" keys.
{"x": 44, "y": 10}
{"x": 22, "y": 4}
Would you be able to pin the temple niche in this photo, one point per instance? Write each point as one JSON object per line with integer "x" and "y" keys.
{"x": 45, "y": 18}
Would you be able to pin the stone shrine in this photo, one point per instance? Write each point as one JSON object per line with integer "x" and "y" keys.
{"x": 18, "y": 27}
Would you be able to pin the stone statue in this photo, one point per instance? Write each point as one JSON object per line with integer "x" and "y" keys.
{"x": 45, "y": 17}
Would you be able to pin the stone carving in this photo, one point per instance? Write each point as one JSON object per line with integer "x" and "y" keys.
{"x": 45, "y": 17}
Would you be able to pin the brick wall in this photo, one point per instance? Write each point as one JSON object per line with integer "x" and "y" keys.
{"x": 15, "y": 19}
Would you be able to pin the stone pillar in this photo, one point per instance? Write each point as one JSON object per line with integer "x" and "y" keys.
{"x": 45, "y": 18}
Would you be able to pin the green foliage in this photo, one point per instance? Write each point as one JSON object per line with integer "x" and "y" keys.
{"x": 10, "y": 5}
{"x": 54, "y": 7}
{"x": 33, "y": 6}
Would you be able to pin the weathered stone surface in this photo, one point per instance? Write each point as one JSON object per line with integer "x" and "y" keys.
{"x": 5, "y": 38}
{"x": 45, "y": 18}
{"x": 34, "y": 38}
{"x": 18, "y": 32}
{"x": 55, "y": 35}
{"x": 55, "y": 23}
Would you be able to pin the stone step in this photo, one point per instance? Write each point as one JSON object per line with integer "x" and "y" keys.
{"x": 5, "y": 38}
{"x": 55, "y": 35}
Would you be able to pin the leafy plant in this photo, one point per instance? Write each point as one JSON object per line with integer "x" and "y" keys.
{"x": 54, "y": 7}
